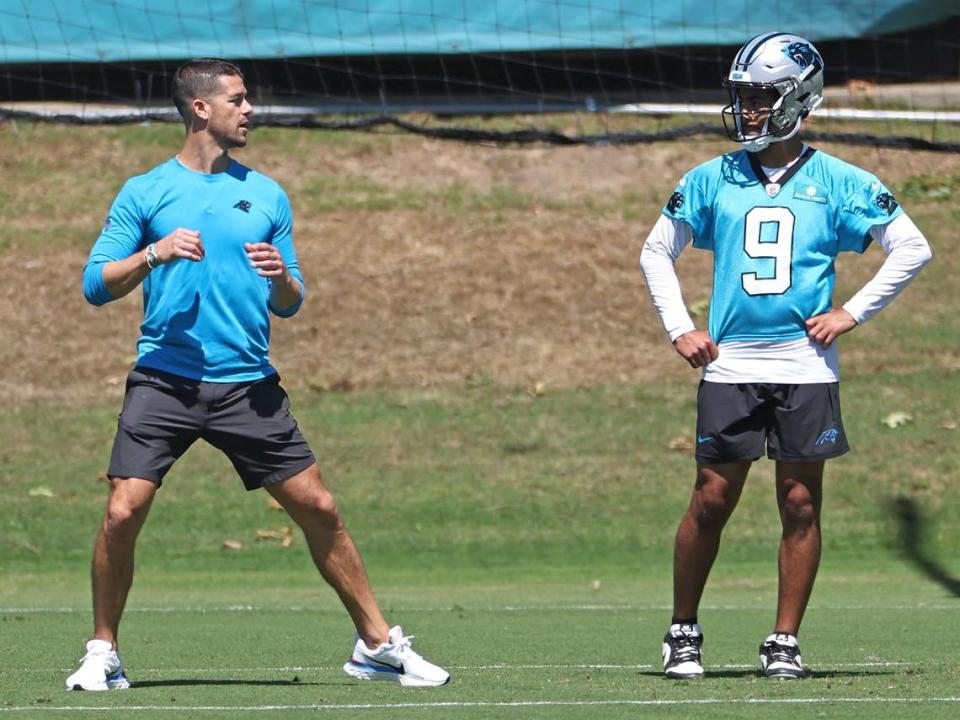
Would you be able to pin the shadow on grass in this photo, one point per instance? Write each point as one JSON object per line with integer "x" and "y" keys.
{"x": 811, "y": 674}
{"x": 201, "y": 681}
{"x": 828, "y": 674}
{"x": 911, "y": 524}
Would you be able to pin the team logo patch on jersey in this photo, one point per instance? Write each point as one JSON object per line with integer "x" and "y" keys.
{"x": 243, "y": 205}
{"x": 675, "y": 202}
{"x": 108, "y": 223}
{"x": 887, "y": 202}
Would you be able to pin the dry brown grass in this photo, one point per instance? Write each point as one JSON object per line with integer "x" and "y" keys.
{"x": 530, "y": 277}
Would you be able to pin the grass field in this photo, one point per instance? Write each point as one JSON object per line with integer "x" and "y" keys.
{"x": 504, "y": 426}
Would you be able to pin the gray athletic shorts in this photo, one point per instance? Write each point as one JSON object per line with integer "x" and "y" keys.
{"x": 798, "y": 423}
{"x": 163, "y": 414}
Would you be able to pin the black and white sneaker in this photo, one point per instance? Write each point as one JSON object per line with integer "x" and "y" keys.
{"x": 683, "y": 652}
{"x": 780, "y": 657}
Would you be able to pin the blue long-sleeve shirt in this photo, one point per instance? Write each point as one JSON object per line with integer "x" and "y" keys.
{"x": 206, "y": 320}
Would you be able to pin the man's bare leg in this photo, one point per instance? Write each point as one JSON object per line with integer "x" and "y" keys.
{"x": 799, "y": 497}
{"x": 715, "y": 496}
{"x": 310, "y": 504}
{"x": 112, "y": 568}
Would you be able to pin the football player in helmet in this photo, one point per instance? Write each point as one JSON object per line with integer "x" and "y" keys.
{"x": 776, "y": 80}
{"x": 775, "y": 214}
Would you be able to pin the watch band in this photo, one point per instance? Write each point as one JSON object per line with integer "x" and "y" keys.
{"x": 151, "y": 255}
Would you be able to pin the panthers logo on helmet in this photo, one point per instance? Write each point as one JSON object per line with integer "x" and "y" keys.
{"x": 802, "y": 54}
{"x": 887, "y": 202}
{"x": 675, "y": 202}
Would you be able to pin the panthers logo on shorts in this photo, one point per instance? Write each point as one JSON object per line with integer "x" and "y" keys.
{"x": 830, "y": 435}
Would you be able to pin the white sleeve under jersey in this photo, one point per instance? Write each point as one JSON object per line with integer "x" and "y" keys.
{"x": 664, "y": 244}
{"x": 907, "y": 252}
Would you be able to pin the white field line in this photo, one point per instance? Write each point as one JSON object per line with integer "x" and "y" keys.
{"x": 480, "y": 704}
{"x": 485, "y": 608}
{"x": 585, "y": 666}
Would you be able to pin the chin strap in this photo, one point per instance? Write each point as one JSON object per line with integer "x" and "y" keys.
{"x": 761, "y": 143}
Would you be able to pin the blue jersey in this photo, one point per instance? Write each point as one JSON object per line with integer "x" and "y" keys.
{"x": 205, "y": 320}
{"x": 775, "y": 244}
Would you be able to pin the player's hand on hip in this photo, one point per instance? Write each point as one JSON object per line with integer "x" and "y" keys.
{"x": 697, "y": 348}
{"x": 266, "y": 259}
{"x": 181, "y": 243}
{"x": 827, "y": 327}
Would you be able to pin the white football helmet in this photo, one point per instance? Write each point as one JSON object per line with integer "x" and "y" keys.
{"x": 790, "y": 69}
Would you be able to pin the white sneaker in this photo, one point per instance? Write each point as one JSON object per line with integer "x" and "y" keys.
{"x": 683, "y": 652}
{"x": 394, "y": 660}
{"x": 100, "y": 669}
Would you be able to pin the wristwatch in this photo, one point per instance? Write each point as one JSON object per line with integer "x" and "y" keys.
{"x": 151, "y": 253}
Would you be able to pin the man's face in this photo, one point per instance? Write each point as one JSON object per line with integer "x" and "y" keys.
{"x": 755, "y": 104}
{"x": 229, "y": 112}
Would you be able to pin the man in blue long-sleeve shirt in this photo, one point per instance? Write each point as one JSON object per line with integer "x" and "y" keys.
{"x": 211, "y": 242}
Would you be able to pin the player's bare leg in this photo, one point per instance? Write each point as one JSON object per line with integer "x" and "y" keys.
{"x": 310, "y": 504}
{"x": 715, "y": 495}
{"x": 112, "y": 574}
{"x": 112, "y": 569}
{"x": 799, "y": 497}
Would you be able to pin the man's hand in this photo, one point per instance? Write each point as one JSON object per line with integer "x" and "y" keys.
{"x": 266, "y": 259}
{"x": 697, "y": 348}
{"x": 827, "y": 327}
{"x": 181, "y": 243}
{"x": 285, "y": 291}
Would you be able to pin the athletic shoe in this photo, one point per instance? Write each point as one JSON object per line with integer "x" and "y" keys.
{"x": 780, "y": 657}
{"x": 100, "y": 669}
{"x": 683, "y": 652}
{"x": 394, "y": 660}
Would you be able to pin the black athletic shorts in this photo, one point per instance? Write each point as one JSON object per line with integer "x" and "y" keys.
{"x": 799, "y": 423}
{"x": 163, "y": 414}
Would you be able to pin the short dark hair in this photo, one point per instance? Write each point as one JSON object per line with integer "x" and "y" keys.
{"x": 196, "y": 78}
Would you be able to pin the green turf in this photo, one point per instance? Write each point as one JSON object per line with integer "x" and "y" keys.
{"x": 486, "y": 516}
{"x": 512, "y": 642}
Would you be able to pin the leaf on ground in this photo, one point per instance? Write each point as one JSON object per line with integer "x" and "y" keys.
{"x": 41, "y": 491}
{"x": 896, "y": 419}
{"x": 681, "y": 444}
{"x": 232, "y": 545}
{"x": 273, "y": 504}
{"x": 284, "y": 535}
